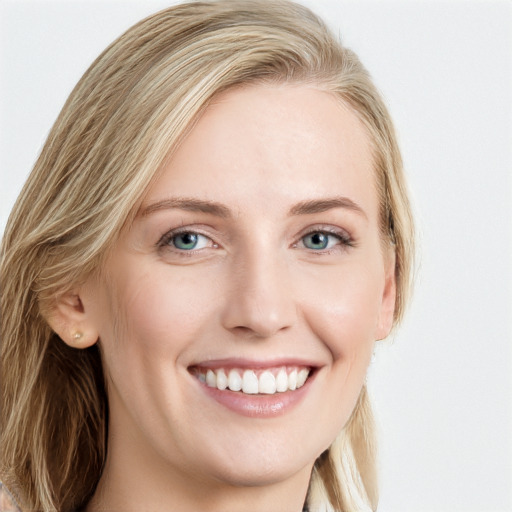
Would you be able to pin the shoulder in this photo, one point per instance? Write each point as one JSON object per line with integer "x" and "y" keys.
{"x": 7, "y": 502}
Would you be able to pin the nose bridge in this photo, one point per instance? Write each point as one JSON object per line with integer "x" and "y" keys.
{"x": 261, "y": 301}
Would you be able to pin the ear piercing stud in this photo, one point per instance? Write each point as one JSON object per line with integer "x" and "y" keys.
{"x": 77, "y": 336}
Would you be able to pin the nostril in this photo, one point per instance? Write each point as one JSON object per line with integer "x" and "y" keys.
{"x": 258, "y": 331}
{"x": 262, "y": 305}
{"x": 247, "y": 332}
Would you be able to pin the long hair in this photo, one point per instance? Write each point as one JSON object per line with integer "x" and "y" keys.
{"x": 125, "y": 117}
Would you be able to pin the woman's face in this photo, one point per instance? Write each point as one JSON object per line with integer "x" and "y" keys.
{"x": 255, "y": 261}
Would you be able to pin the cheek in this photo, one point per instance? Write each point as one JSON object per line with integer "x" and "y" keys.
{"x": 343, "y": 307}
{"x": 158, "y": 316}
{"x": 162, "y": 312}
{"x": 342, "y": 310}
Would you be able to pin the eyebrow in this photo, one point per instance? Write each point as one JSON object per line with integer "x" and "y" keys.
{"x": 189, "y": 204}
{"x": 200, "y": 205}
{"x": 323, "y": 205}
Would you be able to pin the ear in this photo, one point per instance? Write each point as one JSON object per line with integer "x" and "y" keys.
{"x": 387, "y": 309}
{"x": 68, "y": 318}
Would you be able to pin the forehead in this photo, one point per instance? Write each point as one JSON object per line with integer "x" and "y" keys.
{"x": 280, "y": 143}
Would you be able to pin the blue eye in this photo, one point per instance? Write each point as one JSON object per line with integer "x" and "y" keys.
{"x": 188, "y": 241}
{"x": 320, "y": 240}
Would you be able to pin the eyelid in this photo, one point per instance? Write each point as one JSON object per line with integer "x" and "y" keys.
{"x": 346, "y": 239}
{"x": 164, "y": 241}
{"x": 327, "y": 228}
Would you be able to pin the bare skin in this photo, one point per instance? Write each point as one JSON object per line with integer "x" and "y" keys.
{"x": 257, "y": 248}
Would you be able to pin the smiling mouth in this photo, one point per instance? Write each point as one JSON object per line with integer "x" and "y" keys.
{"x": 267, "y": 381}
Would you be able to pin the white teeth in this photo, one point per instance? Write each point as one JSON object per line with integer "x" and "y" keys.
{"x": 292, "y": 380}
{"x": 234, "y": 381}
{"x": 222, "y": 380}
{"x": 282, "y": 381}
{"x": 250, "y": 383}
{"x": 267, "y": 383}
{"x": 301, "y": 377}
{"x": 211, "y": 379}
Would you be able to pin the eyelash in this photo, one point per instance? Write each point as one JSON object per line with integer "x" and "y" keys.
{"x": 166, "y": 242}
{"x": 344, "y": 239}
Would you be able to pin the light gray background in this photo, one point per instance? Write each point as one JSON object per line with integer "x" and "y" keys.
{"x": 442, "y": 387}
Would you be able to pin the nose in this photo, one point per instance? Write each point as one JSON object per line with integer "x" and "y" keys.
{"x": 260, "y": 300}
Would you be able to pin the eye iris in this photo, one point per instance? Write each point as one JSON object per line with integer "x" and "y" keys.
{"x": 316, "y": 241}
{"x": 185, "y": 241}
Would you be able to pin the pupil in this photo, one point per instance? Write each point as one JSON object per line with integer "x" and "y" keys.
{"x": 186, "y": 241}
{"x": 319, "y": 240}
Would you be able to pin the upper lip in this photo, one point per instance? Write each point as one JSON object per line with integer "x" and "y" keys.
{"x": 255, "y": 364}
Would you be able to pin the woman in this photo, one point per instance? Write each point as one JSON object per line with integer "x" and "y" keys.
{"x": 214, "y": 236}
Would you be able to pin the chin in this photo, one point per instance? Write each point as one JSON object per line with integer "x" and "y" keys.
{"x": 261, "y": 474}
{"x": 263, "y": 459}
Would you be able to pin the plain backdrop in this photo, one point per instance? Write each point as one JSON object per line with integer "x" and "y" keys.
{"x": 442, "y": 387}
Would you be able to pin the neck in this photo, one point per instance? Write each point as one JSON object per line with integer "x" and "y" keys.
{"x": 114, "y": 495}
{"x": 146, "y": 490}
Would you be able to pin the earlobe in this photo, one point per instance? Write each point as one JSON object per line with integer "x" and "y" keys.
{"x": 68, "y": 318}
{"x": 387, "y": 310}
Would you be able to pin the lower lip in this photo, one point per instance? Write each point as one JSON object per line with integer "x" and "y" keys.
{"x": 258, "y": 406}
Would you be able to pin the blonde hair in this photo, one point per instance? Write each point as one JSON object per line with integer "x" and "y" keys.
{"x": 122, "y": 120}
